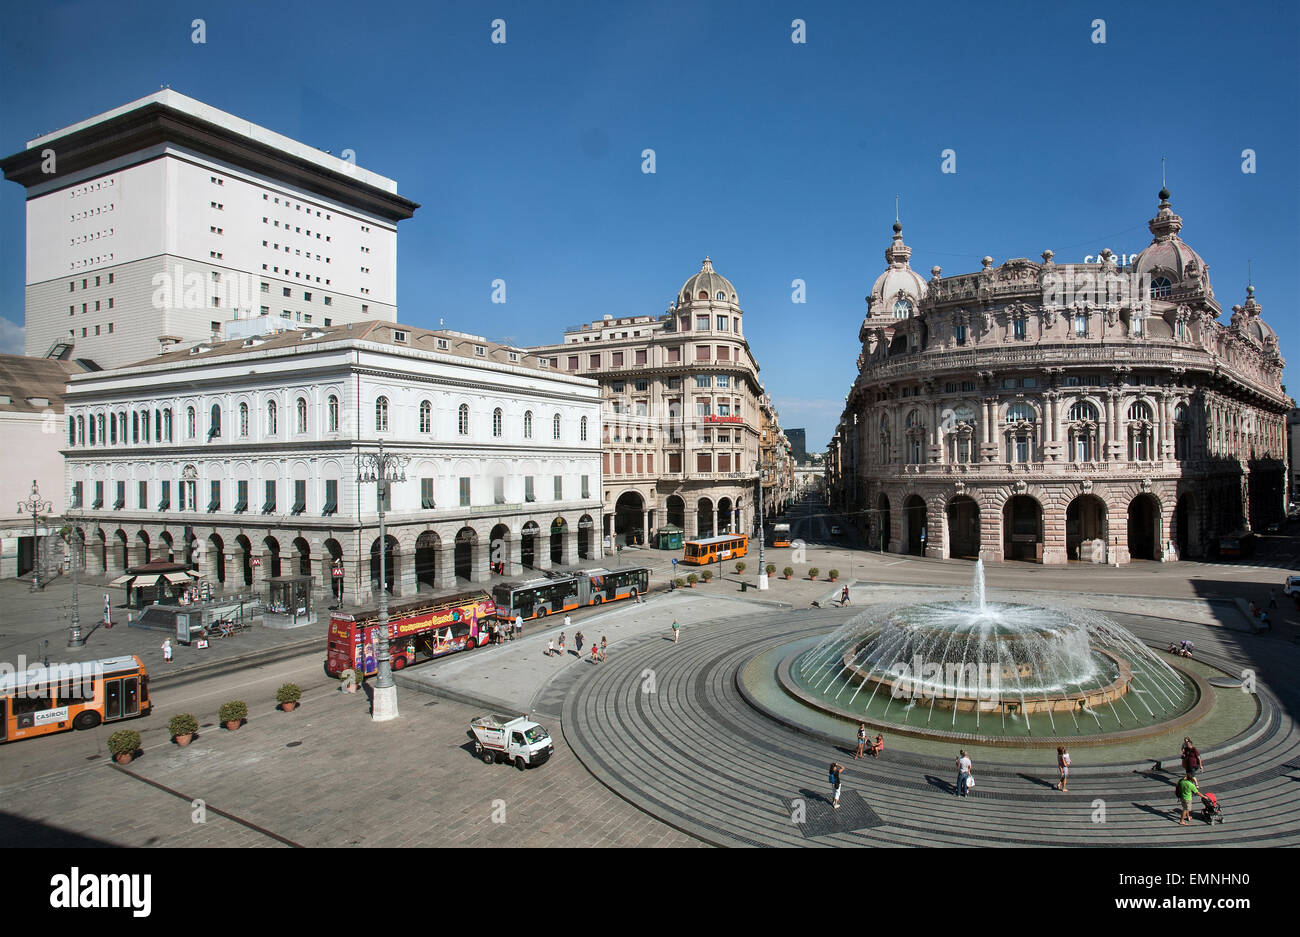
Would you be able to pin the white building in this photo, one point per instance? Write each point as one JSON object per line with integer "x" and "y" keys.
{"x": 239, "y": 457}
{"x": 156, "y": 222}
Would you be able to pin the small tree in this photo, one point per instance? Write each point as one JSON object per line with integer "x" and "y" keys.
{"x": 835, "y": 574}
{"x": 707, "y": 575}
{"x": 788, "y": 572}
{"x": 741, "y": 567}
{"x": 233, "y": 711}
{"x": 692, "y": 579}
{"x": 288, "y": 693}
{"x": 182, "y": 724}
{"x": 771, "y": 569}
{"x": 681, "y": 583}
{"x": 814, "y": 572}
{"x": 124, "y": 742}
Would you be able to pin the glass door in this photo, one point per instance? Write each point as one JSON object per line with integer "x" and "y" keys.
{"x": 112, "y": 699}
{"x": 130, "y": 696}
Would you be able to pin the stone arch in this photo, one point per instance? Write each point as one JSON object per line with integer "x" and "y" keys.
{"x": 246, "y": 549}
{"x": 559, "y": 530}
{"x": 215, "y": 561}
{"x": 303, "y": 549}
{"x": 121, "y": 549}
{"x": 1144, "y": 528}
{"x": 528, "y": 540}
{"x": 271, "y": 565}
{"x": 334, "y": 551}
{"x": 675, "y": 510}
{"x": 466, "y": 545}
{"x": 1022, "y": 528}
{"x": 629, "y": 512}
{"x": 586, "y": 526}
{"x": 1086, "y": 521}
{"x": 962, "y": 514}
{"x": 166, "y": 546}
{"x": 101, "y": 551}
{"x": 392, "y": 555}
{"x": 427, "y": 546}
{"x": 499, "y": 546}
{"x": 726, "y": 516}
{"x": 914, "y": 525}
{"x": 704, "y": 518}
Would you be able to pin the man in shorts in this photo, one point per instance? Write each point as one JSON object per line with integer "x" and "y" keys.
{"x": 1187, "y": 789}
{"x": 837, "y": 769}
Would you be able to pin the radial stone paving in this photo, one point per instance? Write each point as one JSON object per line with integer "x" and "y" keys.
{"x": 665, "y": 727}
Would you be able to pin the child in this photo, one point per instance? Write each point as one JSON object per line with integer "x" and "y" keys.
{"x": 550, "y": 647}
{"x": 594, "y": 649}
{"x": 878, "y": 746}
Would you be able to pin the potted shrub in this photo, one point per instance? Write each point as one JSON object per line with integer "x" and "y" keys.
{"x": 692, "y": 579}
{"x": 813, "y": 573}
{"x": 741, "y": 567}
{"x": 182, "y": 727}
{"x": 123, "y": 744}
{"x": 707, "y": 576}
{"x": 287, "y": 696}
{"x": 232, "y": 714}
{"x": 788, "y": 572}
{"x": 771, "y": 570}
{"x": 680, "y": 582}
{"x": 834, "y": 574}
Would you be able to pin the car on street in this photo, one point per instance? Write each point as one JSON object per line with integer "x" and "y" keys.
{"x": 1292, "y": 586}
{"x": 835, "y": 530}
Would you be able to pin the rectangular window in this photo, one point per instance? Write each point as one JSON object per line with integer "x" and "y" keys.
{"x": 703, "y": 380}
{"x": 961, "y": 335}
{"x": 724, "y": 380}
{"x": 724, "y": 462}
{"x": 268, "y": 504}
{"x": 119, "y": 501}
{"x": 722, "y": 323}
{"x": 165, "y": 500}
{"x": 214, "y": 497}
{"x": 702, "y": 323}
{"x": 586, "y": 486}
{"x": 1018, "y": 328}
{"x": 331, "y": 497}
{"x": 99, "y": 494}
{"x": 724, "y": 352}
{"x": 618, "y": 359}
{"x": 604, "y": 462}
{"x": 426, "y": 493}
{"x": 573, "y": 362}
{"x": 640, "y": 464}
{"x": 529, "y": 494}
{"x": 641, "y": 358}
{"x": 241, "y": 497}
{"x": 618, "y": 463}
{"x": 143, "y": 502}
{"x": 595, "y": 362}
{"x": 76, "y": 495}
{"x": 299, "y": 496}
{"x": 559, "y": 487}
{"x": 703, "y": 352}
{"x": 675, "y": 354}
{"x": 499, "y": 491}
{"x": 1080, "y": 325}
{"x": 704, "y": 462}
{"x": 674, "y": 463}
{"x": 703, "y": 409}
{"x": 464, "y": 492}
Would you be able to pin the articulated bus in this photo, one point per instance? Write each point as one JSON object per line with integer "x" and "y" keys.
{"x": 560, "y": 592}
{"x": 715, "y": 549}
{"x": 781, "y": 535}
{"x": 418, "y": 630}
{"x": 43, "y": 700}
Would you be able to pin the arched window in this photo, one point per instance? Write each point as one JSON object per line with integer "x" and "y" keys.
{"x": 884, "y": 439}
{"x": 496, "y": 422}
{"x": 243, "y": 419}
{"x": 135, "y": 428}
{"x": 1020, "y": 411}
{"x": 190, "y": 427}
{"x": 582, "y": 430}
{"x": 1140, "y": 439}
{"x": 214, "y": 423}
{"x": 301, "y": 408}
{"x": 1082, "y": 410}
{"x": 381, "y": 415}
{"x": 914, "y": 419}
{"x": 1182, "y": 434}
{"x": 166, "y": 431}
{"x": 426, "y": 416}
{"x": 270, "y": 418}
{"x": 903, "y": 309}
{"x": 462, "y": 421}
{"x": 721, "y": 296}
{"x": 112, "y": 429}
{"x": 1161, "y": 288}
{"x": 528, "y": 424}
{"x": 72, "y": 431}
{"x": 332, "y": 407}
{"x": 92, "y": 429}
{"x": 555, "y": 427}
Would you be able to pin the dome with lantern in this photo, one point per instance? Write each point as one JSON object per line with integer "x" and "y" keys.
{"x": 708, "y": 286}
{"x": 897, "y": 293}
{"x": 1168, "y": 263}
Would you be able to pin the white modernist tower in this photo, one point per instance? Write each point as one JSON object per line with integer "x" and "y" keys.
{"x": 154, "y": 223}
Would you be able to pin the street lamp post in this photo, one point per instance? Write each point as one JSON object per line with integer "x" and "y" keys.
{"x": 382, "y": 469}
{"x": 35, "y": 506}
{"x": 75, "y": 638}
{"x": 762, "y": 540}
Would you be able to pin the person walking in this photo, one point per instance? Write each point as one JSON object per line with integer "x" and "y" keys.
{"x": 167, "y": 650}
{"x": 1063, "y": 766}
{"x": 550, "y": 647}
{"x": 577, "y": 642}
{"x": 561, "y": 643}
{"x": 568, "y": 622}
{"x": 844, "y": 595}
{"x": 964, "y": 768}
{"x": 1272, "y": 598}
{"x": 603, "y": 645}
{"x": 519, "y": 625}
{"x": 1187, "y": 789}
{"x": 676, "y": 628}
{"x": 862, "y": 740}
{"x": 837, "y": 769}
{"x": 1191, "y": 759}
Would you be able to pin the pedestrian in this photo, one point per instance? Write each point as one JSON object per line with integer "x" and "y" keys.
{"x": 878, "y": 746}
{"x": 836, "y": 770}
{"x": 568, "y": 622}
{"x": 1063, "y": 766}
{"x": 1187, "y": 789}
{"x": 562, "y": 643}
{"x": 964, "y": 766}
{"x": 594, "y": 649}
{"x": 577, "y": 642}
{"x": 862, "y": 740}
{"x": 519, "y": 625}
{"x": 1272, "y": 598}
{"x": 1191, "y": 759}
{"x": 167, "y": 650}
{"x": 844, "y": 596}
{"x": 676, "y": 629}
{"x": 603, "y": 645}
{"x": 550, "y": 647}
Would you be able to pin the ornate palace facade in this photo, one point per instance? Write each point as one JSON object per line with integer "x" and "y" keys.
{"x": 1053, "y": 412}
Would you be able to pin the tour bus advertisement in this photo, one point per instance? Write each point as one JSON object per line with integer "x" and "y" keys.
{"x": 437, "y": 631}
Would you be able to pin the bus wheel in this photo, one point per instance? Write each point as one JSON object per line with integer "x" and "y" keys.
{"x": 86, "y": 720}
{"x": 541, "y": 613}
{"x": 399, "y": 663}
{"x": 599, "y": 599}
{"x": 488, "y": 757}
{"x": 520, "y": 763}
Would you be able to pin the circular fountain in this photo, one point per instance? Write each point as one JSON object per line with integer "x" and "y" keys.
{"x": 990, "y": 669}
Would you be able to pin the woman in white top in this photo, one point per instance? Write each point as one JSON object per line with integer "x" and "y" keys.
{"x": 964, "y": 766}
{"x": 1063, "y": 765}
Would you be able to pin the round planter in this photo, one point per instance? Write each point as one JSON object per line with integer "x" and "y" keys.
{"x": 233, "y": 724}
{"x": 183, "y": 740}
{"x": 289, "y": 706}
{"x": 124, "y": 758}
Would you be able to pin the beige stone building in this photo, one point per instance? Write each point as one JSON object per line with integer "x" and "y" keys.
{"x": 1052, "y": 412}
{"x": 681, "y": 414}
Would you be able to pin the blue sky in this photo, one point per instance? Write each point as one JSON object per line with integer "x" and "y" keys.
{"x": 779, "y": 160}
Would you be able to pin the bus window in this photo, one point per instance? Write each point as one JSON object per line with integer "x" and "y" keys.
{"x": 130, "y": 699}
{"x": 28, "y": 703}
{"x": 4, "y": 719}
{"x": 112, "y": 699}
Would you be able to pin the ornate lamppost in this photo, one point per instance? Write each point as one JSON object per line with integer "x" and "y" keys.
{"x": 75, "y": 638}
{"x": 35, "y": 507}
{"x": 382, "y": 468}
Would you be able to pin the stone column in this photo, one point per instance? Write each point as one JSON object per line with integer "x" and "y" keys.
{"x": 645, "y": 529}
{"x": 513, "y": 560}
{"x": 542, "y": 551}
{"x": 478, "y": 561}
{"x": 404, "y": 577}
{"x": 936, "y": 526}
{"x": 444, "y": 570}
{"x": 571, "y": 546}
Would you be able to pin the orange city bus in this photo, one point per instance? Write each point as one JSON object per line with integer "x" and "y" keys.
{"x": 715, "y": 549}
{"x": 781, "y": 535}
{"x": 564, "y": 591}
{"x": 43, "y": 700}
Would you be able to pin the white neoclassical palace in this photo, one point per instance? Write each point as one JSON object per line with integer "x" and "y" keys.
{"x": 1055, "y": 412}
{"x": 240, "y": 456}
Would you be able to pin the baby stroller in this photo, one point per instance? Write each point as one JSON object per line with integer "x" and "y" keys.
{"x": 1210, "y": 811}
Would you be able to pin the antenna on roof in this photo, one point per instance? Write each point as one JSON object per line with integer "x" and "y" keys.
{"x": 440, "y": 322}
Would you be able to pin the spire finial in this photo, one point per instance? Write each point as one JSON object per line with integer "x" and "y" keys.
{"x": 1250, "y": 278}
{"x": 896, "y": 208}
{"x": 1163, "y": 184}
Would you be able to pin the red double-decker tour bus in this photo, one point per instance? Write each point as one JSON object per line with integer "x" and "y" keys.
{"x": 418, "y": 630}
